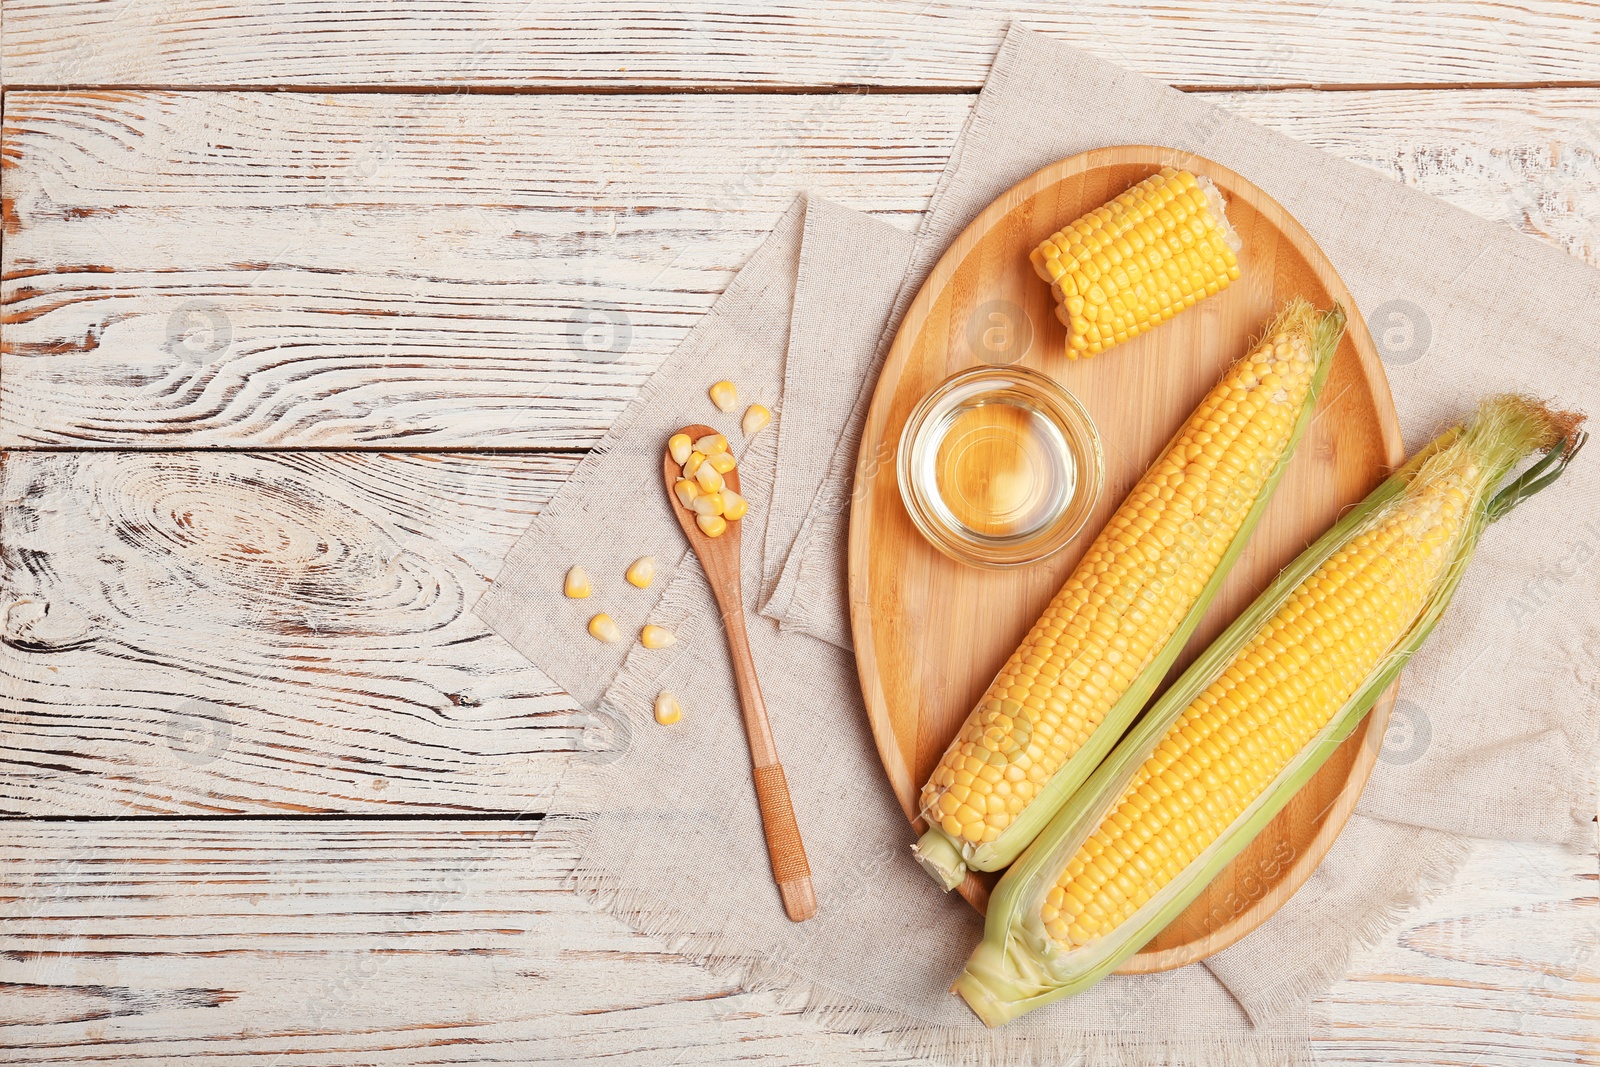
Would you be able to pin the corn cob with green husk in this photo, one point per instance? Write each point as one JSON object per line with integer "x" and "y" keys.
{"x": 1112, "y": 632}
{"x": 1249, "y": 723}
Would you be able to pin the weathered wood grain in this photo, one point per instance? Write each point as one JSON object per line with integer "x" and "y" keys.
{"x": 928, "y": 43}
{"x": 293, "y": 943}
{"x": 221, "y": 633}
{"x": 286, "y": 270}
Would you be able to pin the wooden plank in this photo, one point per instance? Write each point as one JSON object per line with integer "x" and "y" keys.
{"x": 285, "y": 270}
{"x": 943, "y": 43}
{"x": 222, "y": 633}
{"x": 291, "y": 944}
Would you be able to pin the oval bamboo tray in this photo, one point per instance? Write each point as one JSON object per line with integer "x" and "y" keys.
{"x": 930, "y": 633}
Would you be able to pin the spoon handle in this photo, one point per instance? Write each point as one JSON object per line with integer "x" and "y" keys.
{"x": 788, "y": 854}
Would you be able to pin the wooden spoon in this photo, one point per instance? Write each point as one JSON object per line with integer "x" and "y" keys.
{"x": 719, "y": 558}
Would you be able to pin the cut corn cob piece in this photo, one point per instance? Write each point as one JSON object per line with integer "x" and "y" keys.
{"x": 577, "y": 585}
{"x": 653, "y": 636}
{"x": 686, "y": 491}
{"x": 679, "y": 446}
{"x": 721, "y": 462}
{"x": 1221, "y": 753}
{"x": 711, "y": 444}
{"x": 725, "y": 395}
{"x": 711, "y": 525}
{"x": 641, "y": 572}
{"x": 603, "y": 628}
{"x": 734, "y": 506}
{"x": 1111, "y": 633}
{"x": 668, "y": 711}
{"x": 1133, "y": 263}
{"x": 756, "y": 419}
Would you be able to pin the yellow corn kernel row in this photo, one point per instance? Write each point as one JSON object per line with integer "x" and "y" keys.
{"x": 1278, "y": 692}
{"x": 1133, "y": 263}
{"x": 703, "y": 488}
{"x": 1126, "y": 597}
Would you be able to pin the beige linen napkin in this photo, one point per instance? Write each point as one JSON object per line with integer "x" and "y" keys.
{"x": 663, "y": 820}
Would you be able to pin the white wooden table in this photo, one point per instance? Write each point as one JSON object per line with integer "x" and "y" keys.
{"x": 308, "y": 305}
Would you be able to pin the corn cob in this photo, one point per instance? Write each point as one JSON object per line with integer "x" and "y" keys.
{"x": 1111, "y": 633}
{"x": 1224, "y": 750}
{"x": 1133, "y": 263}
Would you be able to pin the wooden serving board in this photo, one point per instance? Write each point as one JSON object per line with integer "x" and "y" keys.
{"x": 930, "y": 633}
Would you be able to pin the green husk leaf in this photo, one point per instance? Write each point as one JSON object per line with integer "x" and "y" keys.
{"x": 948, "y": 860}
{"x": 1018, "y": 967}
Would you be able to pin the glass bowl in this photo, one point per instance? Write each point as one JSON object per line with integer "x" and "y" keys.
{"x": 999, "y": 466}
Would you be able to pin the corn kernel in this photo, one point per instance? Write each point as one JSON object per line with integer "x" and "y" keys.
{"x": 603, "y": 628}
{"x": 711, "y": 525}
{"x": 720, "y": 462}
{"x": 668, "y": 711}
{"x": 709, "y": 504}
{"x": 679, "y": 448}
{"x": 725, "y": 395}
{"x": 642, "y": 572}
{"x": 733, "y": 505}
{"x": 691, "y": 466}
{"x": 710, "y": 481}
{"x": 657, "y": 637}
{"x": 756, "y": 419}
{"x": 686, "y": 491}
{"x": 711, "y": 444}
{"x": 577, "y": 584}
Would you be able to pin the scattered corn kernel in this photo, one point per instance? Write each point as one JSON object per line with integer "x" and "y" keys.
{"x": 643, "y": 572}
{"x": 711, "y": 443}
{"x": 725, "y": 395}
{"x": 577, "y": 584}
{"x": 756, "y": 419}
{"x": 711, "y": 525}
{"x": 679, "y": 447}
{"x": 603, "y": 628}
{"x": 733, "y": 505}
{"x": 657, "y": 637}
{"x": 721, "y": 462}
{"x": 709, "y": 504}
{"x": 691, "y": 466}
{"x": 686, "y": 491}
{"x": 710, "y": 481}
{"x": 668, "y": 711}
